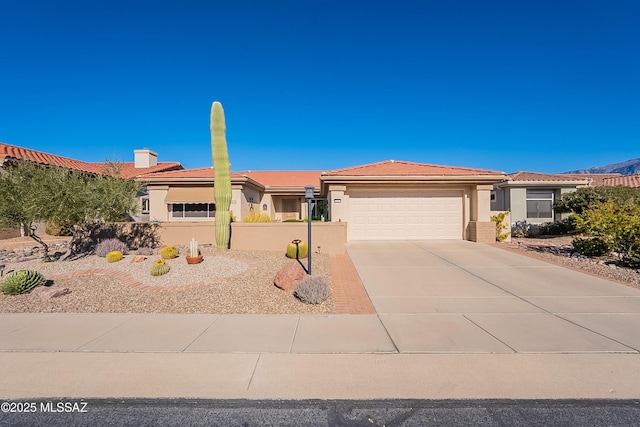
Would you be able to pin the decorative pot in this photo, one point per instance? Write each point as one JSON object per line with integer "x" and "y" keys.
{"x": 194, "y": 259}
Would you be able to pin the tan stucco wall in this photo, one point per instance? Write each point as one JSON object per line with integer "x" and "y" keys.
{"x": 259, "y": 236}
{"x": 331, "y": 237}
{"x": 158, "y": 210}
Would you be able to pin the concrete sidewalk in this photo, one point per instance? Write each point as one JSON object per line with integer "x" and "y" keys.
{"x": 281, "y": 357}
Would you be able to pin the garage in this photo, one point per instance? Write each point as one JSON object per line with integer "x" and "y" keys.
{"x": 408, "y": 215}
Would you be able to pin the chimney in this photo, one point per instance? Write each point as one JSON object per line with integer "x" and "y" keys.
{"x": 145, "y": 158}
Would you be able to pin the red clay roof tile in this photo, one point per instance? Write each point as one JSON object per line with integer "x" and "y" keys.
{"x": 285, "y": 178}
{"x": 128, "y": 170}
{"x": 626, "y": 180}
{"x": 403, "y": 168}
{"x": 589, "y": 179}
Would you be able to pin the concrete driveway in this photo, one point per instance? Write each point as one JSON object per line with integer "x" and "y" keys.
{"x": 465, "y": 297}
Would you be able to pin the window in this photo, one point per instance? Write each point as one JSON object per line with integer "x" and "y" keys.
{"x": 319, "y": 210}
{"x": 540, "y": 204}
{"x": 145, "y": 205}
{"x": 289, "y": 205}
{"x": 193, "y": 210}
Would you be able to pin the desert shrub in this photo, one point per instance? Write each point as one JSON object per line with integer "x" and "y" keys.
{"x": 585, "y": 198}
{"x": 168, "y": 252}
{"x": 297, "y": 251}
{"x": 312, "y": 290}
{"x": 501, "y": 227}
{"x": 524, "y": 229}
{"x": 114, "y": 256}
{"x": 22, "y": 281}
{"x": 256, "y": 216}
{"x": 617, "y": 224}
{"x": 134, "y": 234}
{"x": 591, "y": 246}
{"x": 558, "y": 228}
{"x": 110, "y": 245}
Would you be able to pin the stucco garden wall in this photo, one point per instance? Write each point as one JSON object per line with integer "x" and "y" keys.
{"x": 331, "y": 237}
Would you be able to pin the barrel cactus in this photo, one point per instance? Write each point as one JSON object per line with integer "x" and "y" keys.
{"x": 168, "y": 252}
{"x": 21, "y": 282}
{"x": 159, "y": 268}
{"x": 114, "y": 256}
{"x": 297, "y": 249}
{"x": 312, "y": 290}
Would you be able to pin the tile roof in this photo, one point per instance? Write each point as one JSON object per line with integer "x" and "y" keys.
{"x": 402, "y": 168}
{"x": 128, "y": 168}
{"x": 285, "y": 178}
{"x": 196, "y": 173}
{"x": 590, "y": 179}
{"x": 626, "y": 180}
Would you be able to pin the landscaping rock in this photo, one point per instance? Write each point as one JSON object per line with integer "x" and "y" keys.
{"x": 289, "y": 275}
{"x": 48, "y": 292}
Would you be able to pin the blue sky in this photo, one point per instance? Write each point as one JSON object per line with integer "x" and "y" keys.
{"x": 540, "y": 85}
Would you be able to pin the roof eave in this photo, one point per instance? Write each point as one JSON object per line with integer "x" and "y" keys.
{"x": 408, "y": 179}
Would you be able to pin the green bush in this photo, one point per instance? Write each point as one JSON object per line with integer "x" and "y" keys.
{"x": 23, "y": 281}
{"x": 501, "y": 226}
{"x": 558, "y": 228}
{"x": 591, "y": 247}
{"x": 616, "y": 223}
{"x": 585, "y": 198}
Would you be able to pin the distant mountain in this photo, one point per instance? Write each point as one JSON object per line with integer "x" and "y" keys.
{"x": 630, "y": 167}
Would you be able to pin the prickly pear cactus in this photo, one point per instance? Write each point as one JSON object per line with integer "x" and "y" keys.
{"x": 114, "y": 256}
{"x": 23, "y": 281}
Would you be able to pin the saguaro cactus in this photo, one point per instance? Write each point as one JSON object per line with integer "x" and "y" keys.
{"x": 222, "y": 176}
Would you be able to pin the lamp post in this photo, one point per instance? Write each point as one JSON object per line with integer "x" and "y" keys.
{"x": 308, "y": 194}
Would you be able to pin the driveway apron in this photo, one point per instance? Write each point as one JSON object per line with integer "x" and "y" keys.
{"x": 453, "y": 296}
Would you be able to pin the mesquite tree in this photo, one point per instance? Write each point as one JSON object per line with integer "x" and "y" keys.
{"x": 222, "y": 176}
{"x": 31, "y": 193}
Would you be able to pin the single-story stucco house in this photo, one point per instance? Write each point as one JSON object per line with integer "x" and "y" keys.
{"x": 393, "y": 200}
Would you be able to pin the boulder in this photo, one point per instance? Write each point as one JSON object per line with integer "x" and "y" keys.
{"x": 48, "y": 292}
{"x": 289, "y": 275}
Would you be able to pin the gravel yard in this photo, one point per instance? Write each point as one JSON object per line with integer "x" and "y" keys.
{"x": 236, "y": 282}
{"x": 558, "y": 250}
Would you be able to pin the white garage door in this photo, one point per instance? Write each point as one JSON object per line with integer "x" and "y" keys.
{"x": 405, "y": 216}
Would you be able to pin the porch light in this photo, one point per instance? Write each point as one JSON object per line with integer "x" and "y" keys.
{"x": 308, "y": 194}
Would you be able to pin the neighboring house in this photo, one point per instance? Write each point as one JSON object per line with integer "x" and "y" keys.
{"x": 392, "y": 200}
{"x": 530, "y": 195}
{"x": 145, "y": 161}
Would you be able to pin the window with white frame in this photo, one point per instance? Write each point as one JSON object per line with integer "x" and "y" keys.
{"x": 193, "y": 210}
{"x": 540, "y": 204}
{"x": 145, "y": 205}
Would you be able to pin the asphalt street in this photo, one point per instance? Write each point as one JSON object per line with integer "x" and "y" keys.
{"x": 376, "y": 413}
